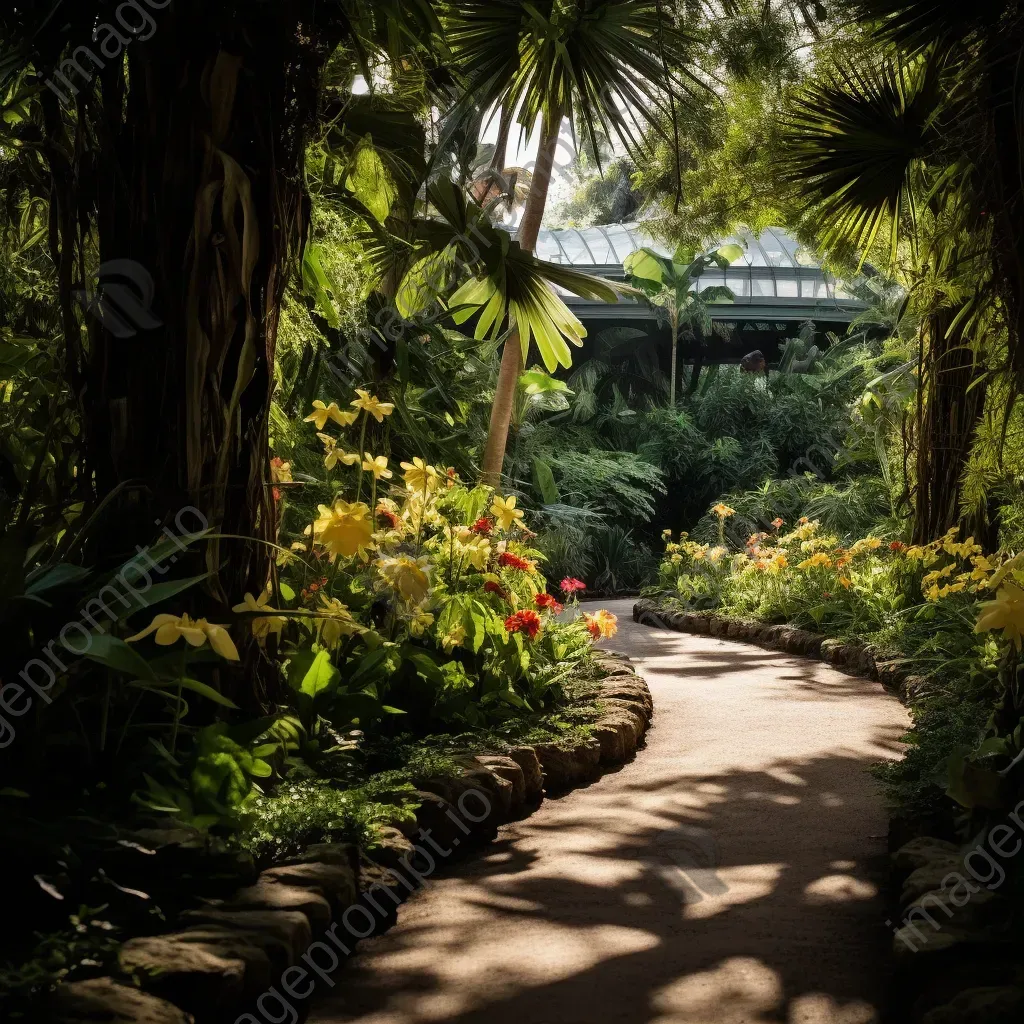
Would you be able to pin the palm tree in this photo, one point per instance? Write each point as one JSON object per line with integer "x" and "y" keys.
{"x": 884, "y": 147}
{"x": 607, "y": 63}
{"x": 670, "y": 285}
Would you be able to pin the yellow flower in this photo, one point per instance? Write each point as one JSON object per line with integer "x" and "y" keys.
{"x": 419, "y": 476}
{"x": 333, "y": 454}
{"x": 844, "y": 582}
{"x": 666, "y": 534}
{"x": 676, "y": 558}
{"x": 454, "y": 639}
{"x": 420, "y": 622}
{"x": 262, "y": 624}
{"x": 723, "y": 511}
{"x": 866, "y": 544}
{"x": 406, "y": 575}
{"x": 1006, "y": 612}
{"x": 170, "y": 628}
{"x": 339, "y": 624}
{"x": 602, "y": 624}
{"x": 505, "y": 512}
{"x": 815, "y": 561}
{"x": 345, "y": 529}
{"x": 715, "y": 554}
{"x": 372, "y": 404}
{"x": 322, "y": 413}
{"x": 477, "y": 551}
{"x": 377, "y": 466}
{"x": 280, "y": 472}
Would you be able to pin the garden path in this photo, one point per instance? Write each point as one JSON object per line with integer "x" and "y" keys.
{"x": 728, "y": 875}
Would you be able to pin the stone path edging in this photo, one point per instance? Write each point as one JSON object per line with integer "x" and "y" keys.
{"x": 854, "y": 659}
{"x": 227, "y": 954}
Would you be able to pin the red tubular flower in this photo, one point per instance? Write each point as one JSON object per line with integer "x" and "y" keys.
{"x": 526, "y": 621}
{"x": 506, "y": 558}
{"x": 897, "y": 545}
{"x": 594, "y": 628}
{"x": 483, "y": 526}
{"x": 571, "y": 585}
{"x": 491, "y": 587}
{"x": 547, "y": 601}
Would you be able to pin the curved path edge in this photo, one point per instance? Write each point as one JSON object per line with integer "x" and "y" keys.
{"x": 853, "y": 659}
{"x": 224, "y": 958}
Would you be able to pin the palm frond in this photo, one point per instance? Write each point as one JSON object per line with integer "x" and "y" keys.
{"x": 853, "y": 143}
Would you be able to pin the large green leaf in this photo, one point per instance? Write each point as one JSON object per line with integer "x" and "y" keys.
{"x": 116, "y": 654}
{"x": 321, "y": 677}
{"x": 370, "y": 181}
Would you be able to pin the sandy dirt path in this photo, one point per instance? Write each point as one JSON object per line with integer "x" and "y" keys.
{"x": 728, "y": 875}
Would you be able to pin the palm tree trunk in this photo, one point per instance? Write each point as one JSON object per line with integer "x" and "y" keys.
{"x": 512, "y": 356}
{"x": 675, "y": 363}
{"x": 949, "y": 410}
{"x": 500, "y": 156}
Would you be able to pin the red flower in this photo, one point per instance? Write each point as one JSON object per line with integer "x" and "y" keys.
{"x": 514, "y": 561}
{"x": 547, "y": 601}
{"x": 897, "y": 545}
{"x": 527, "y": 622}
{"x": 491, "y": 587}
{"x": 594, "y": 628}
{"x": 389, "y": 517}
{"x": 483, "y": 526}
{"x": 571, "y": 585}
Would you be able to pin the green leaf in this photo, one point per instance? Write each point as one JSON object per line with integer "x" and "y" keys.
{"x": 195, "y": 686}
{"x": 116, "y": 654}
{"x": 164, "y": 591}
{"x": 321, "y": 677}
{"x": 425, "y": 665}
{"x": 647, "y": 269}
{"x": 536, "y": 382}
{"x": 317, "y": 285}
{"x": 56, "y": 576}
{"x": 370, "y": 182}
{"x": 731, "y": 252}
{"x": 544, "y": 480}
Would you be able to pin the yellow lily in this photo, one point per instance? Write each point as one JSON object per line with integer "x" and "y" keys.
{"x": 263, "y": 624}
{"x": 505, "y": 512}
{"x": 171, "y": 628}
{"x": 1006, "y": 612}
{"x": 345, "y": 529}
{"x": 372, "y": 404}
{"x": 419, "y": 476}
{"x": 322, "y": 413}
{"x": 333, "y": 454}
{"x": 377, "y": 466}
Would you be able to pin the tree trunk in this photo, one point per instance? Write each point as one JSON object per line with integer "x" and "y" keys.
{"x": 949, "y": 410}
{"x": 499, "y": 158}
{"x": 675, "y": 363}
{"x": 188, "y": 163}
{"x": 512, "y": 356}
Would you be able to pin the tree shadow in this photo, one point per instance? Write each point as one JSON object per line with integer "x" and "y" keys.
{"x": 708, "y": 882}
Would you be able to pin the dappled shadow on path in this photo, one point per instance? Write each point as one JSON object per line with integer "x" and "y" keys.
{"x": 598, "y": 928}
{"x": 729, "y": 875}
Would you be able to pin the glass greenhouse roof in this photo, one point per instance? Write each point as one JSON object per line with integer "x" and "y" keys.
{"x": 774, "y": 266}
